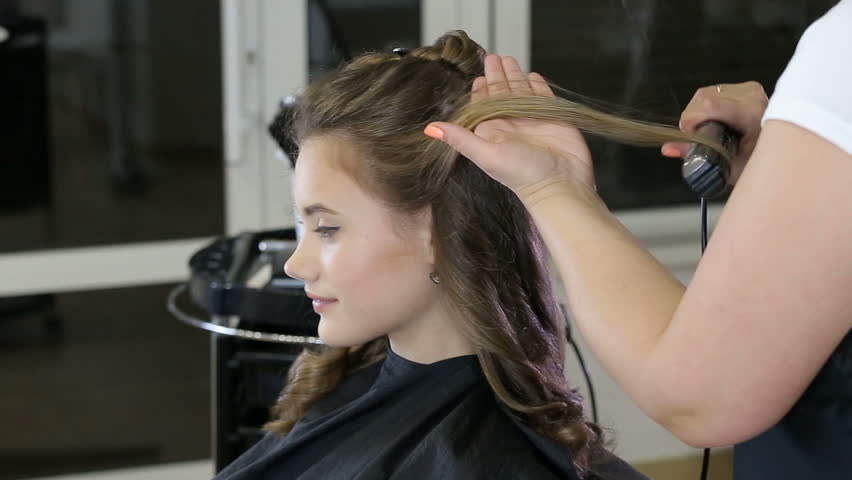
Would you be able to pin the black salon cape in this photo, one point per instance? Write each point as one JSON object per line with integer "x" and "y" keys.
{"x": 399, "y": 419}
{"x": 814, "y": 439}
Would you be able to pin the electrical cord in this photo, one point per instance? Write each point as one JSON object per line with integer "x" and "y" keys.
{"x": 582, "y": 363}
{"x": 705, "y": 463}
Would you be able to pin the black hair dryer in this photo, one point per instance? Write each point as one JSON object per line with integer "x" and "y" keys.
{"x": 705, "y": 170}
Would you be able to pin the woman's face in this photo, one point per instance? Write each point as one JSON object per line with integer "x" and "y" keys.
{"x": 371, "y": 264}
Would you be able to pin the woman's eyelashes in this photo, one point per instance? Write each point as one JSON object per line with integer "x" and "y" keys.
{"x": 323, "y": 231}
{"x": 326, "y": 232}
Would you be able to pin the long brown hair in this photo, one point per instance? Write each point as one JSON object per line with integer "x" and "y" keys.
{"x": 491, "y": 259}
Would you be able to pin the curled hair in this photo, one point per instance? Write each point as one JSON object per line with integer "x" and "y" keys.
{"x": 491, "y": 258}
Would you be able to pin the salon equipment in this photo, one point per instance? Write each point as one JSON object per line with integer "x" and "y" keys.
{"x": 24, "y": 125}
{"x": 705, "y": 170}
{"x": 707, "y": 173}
{"x": 25, "y": 182}
{"x": 241, "y": 280}
{"x": 705, "y": 461}
{"x": 260, "y": 320}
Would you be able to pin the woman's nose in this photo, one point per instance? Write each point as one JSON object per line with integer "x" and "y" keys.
{"x": 298, "y": 265}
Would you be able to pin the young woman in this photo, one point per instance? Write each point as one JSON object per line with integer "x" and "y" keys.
{"x": 444, "y": 341}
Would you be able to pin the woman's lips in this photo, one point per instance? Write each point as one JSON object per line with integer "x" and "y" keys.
{"x": 320, "y": 304}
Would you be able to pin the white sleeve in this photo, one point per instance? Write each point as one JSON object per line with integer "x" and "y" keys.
{"x": 815, "y": 90}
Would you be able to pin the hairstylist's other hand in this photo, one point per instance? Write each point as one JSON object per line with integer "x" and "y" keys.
{"x": 531, "y": 157}
{"x": 738, "y": 105}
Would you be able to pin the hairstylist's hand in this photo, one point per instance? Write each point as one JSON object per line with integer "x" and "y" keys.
{"x": 530, "y": 157}
{"x": 738, "y": 105}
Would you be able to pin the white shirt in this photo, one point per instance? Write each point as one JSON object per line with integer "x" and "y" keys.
{"x": 815, "y": 90}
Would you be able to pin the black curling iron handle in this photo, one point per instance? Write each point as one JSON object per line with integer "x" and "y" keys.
{"x": 705, "y": 170}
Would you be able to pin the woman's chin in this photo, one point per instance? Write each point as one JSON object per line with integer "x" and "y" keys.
{"x": 334, "y": 337}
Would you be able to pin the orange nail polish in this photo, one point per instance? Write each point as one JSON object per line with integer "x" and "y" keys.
{"x": 434, "y": 132}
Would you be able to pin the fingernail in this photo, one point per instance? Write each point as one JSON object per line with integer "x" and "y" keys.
{"x": 434, "y": 132}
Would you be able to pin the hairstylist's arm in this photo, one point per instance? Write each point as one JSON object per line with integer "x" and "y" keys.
{"x": 724, "y": 360}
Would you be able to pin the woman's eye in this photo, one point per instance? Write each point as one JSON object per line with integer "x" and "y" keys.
{"x": 326, "y": 232}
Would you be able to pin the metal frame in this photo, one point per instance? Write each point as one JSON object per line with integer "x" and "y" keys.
{"x": 218, "y": 325}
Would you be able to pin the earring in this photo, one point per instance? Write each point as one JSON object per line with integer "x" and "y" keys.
{"x": 435, "y": 278}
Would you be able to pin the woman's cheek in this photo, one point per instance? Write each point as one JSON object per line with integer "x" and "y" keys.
{"x": 340, "y": 266}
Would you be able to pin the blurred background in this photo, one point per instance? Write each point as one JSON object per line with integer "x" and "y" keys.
{"x": 133, "y": 132}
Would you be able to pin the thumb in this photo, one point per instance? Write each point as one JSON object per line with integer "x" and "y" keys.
{"x": 462, "y": 140}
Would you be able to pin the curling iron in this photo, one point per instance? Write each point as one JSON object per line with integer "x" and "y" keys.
{"x": 705, "y": 170}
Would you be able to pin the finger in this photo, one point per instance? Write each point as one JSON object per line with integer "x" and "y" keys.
{"x": 495, "y": 77}
{"x": 469, "y": 144}
{"x": 707, "y": 104}
{"x": 675, "y": 149}
{"x": 730, "y": 112}
{"x": 750, "y": 89}
{"x": 479, "y": 90}
{"x": 517, "y": 79}
{"x": 539, "y": 85}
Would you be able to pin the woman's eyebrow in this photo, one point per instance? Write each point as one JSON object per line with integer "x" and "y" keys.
{"x": 317, "y": 208}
